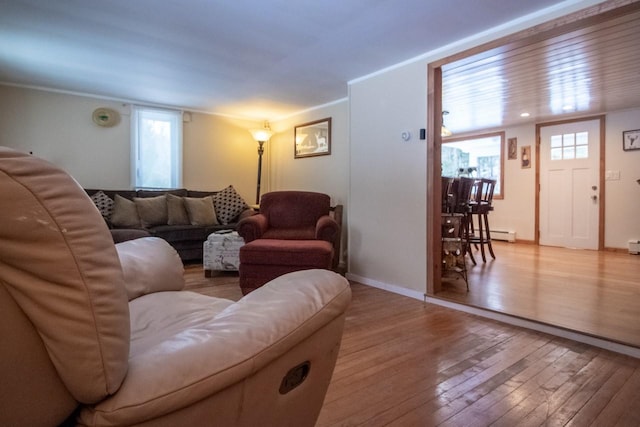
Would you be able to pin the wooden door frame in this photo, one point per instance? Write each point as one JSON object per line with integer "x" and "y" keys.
{"x": 580, "y": 19}
{"x": 601, "y": 172}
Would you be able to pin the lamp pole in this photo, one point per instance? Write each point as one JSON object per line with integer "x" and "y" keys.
{"x": 260, "y": 152}
{"x": 261, "y": 136}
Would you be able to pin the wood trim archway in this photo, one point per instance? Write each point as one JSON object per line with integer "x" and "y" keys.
{"x": 580, "y": 19}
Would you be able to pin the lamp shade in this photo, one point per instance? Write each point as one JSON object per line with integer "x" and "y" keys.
{"x": 261, "y": 135}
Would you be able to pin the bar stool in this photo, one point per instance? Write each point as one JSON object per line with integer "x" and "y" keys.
{"x": 461, "y": 189}
{"x": 447, "y": 196}
{"x": 480, "y": 205}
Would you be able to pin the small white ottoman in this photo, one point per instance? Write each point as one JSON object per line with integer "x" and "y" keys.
{"x": 221, "y": 252}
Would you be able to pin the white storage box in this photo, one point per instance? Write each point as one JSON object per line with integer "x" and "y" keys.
{"x": 634, "y": 247}
{"x": 222, "y": 252}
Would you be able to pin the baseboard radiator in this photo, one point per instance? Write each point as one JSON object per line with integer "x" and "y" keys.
{"x": 507, "y": 236}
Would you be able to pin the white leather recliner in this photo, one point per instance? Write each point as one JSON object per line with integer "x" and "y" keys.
{"x": 93, "y": 333}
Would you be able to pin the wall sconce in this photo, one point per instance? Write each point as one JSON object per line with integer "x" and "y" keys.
{"x": 261, "y": 136}
{"x": 444, "y": 131}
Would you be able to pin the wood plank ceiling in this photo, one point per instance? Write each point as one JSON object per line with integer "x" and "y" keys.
{"x": 588, "y": 71}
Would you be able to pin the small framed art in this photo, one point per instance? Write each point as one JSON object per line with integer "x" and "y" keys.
{"x": 525, "y": 157}
{"x": 512, "y": 148}
{"x": 631, "y": 140}
{"x": 312, "y": 139}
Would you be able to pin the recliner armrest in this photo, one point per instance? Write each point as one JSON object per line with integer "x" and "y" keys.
{"x": 193, "y": 353}
{"x": 150, "y": 264}
{"x": 252, "y": 228}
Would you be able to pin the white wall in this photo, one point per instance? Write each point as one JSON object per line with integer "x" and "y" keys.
{"x": 59, "y": 128}
{"x": 217, "y": 151}
{"x": 622, "y": 196}
{"x": 387, "y": 209}
{"x": 516, "y": 211}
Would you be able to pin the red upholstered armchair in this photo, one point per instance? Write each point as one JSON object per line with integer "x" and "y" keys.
{"x": 295, "y": 215}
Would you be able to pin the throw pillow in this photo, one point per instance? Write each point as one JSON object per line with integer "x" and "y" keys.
{"x": 125, "y": 213}
{"x": 177, "y": 214}
{"x": 104, "y": 204}
{"x": 152, "y": 210}
{"x": 200, "y": 210}
{"x": 229, "y": 204}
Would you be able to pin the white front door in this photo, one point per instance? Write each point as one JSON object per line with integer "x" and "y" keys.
{"x": 569, "y": 184}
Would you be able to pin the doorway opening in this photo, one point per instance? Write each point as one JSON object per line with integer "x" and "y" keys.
{"x": 583, "y": 19}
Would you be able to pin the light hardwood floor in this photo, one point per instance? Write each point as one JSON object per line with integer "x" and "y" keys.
{"x": 407, "y": 363}
{"x": 591, "y": 292}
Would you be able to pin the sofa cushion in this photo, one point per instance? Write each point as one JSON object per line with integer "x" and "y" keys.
{"x": 300, "y": 233}
{"x": 125, "y": 234}
{"x": 125, "y": 213}
{"x": 152, "y": 210}
{"x": 200, "y": 210}
{"x": 301, "y": 253}
{"x": 153, "y": 193}
{"x": 177, "y": 233}
{"x": 104, "y": 204}
{"x": 228, "y": 204}
{"x": 198, "y": 193}
{"x": 176, "y": 212}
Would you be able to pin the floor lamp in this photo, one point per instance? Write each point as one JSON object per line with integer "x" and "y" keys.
{"x": 261, "y": 136}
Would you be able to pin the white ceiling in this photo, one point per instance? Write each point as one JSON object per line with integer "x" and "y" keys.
{"x": 258, "y": 59}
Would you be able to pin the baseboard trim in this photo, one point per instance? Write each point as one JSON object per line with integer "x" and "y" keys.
{"x": 617, "y": 250}
{"x": 386, "y": 287}
{"x": 501, "y": 317}
{"x": 525, "y": 242}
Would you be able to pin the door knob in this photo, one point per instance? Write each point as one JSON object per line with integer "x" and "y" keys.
{"x": 594, "y": 198}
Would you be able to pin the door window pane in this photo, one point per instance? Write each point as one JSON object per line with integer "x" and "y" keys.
{"x": 568, "y": 153}
{"x": 569, "y": 146}
{"x": 582, "y": 152}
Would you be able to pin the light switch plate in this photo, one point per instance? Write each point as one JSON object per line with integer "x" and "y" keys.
{"x": 612, "y": 175}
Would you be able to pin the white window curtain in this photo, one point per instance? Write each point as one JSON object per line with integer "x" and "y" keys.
{"x": 156, "y": 142}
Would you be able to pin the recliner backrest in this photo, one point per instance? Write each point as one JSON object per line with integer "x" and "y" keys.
{"x": 60, "y": 271}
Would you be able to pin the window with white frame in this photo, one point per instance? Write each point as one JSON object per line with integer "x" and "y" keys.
{"x": 156, "y": 141}
{"x": 478, "y": 156}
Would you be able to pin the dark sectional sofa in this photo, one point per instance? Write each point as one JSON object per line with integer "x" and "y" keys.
{"x": 187, "y": 239}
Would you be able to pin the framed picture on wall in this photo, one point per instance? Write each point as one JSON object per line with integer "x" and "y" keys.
{"x": 312, "y": 139}
{"x": 512, "y": 148}
{"x": 525, "y": 157}
{"x": 631, "y": 140}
